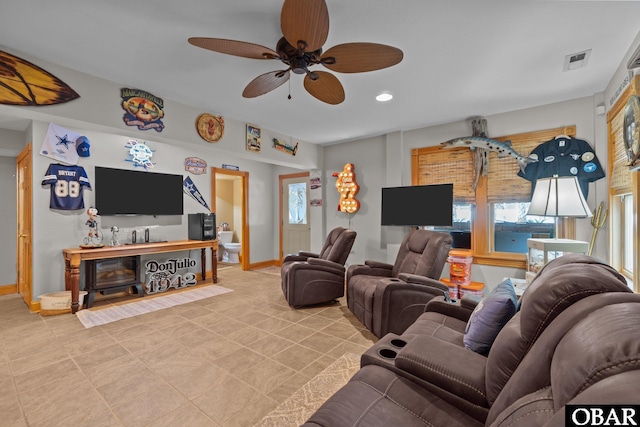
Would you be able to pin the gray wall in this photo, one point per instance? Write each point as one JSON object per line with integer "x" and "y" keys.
{"x": 11, "y": 143}
{"x": 385, "y": 161}
{"x": 379, "y": 162}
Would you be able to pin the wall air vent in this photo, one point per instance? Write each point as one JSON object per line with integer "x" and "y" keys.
{"x": 576, "y": 60}
{"x": 634, "y": 61}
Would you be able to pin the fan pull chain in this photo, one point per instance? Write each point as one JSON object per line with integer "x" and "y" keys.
{"x": 289, "y": 97}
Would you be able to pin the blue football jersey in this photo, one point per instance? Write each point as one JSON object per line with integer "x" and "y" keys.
{"x": 67, "y": 183}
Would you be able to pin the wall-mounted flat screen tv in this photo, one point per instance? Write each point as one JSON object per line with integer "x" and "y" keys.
{"x": 418, "y": 205}
{"x": 128, "y": 192}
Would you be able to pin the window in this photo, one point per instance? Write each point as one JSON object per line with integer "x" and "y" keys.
{"x": 298, "y": 203}
{"x": 624, "y": 193}
{"x": 627, "y": 234}
{"x": 495, "y": 211}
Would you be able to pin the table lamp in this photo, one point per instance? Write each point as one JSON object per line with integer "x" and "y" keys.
{"x": 558, "y": 196}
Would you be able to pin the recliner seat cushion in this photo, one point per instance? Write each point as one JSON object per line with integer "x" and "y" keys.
{"x": 376, "y": 397}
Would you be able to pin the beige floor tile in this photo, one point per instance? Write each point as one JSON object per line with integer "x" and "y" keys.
{"x": 270, "y": 345}
{"x": 316, "y": 322}
{"x": 246, "y": 335}
{"x": 249, "y": 416}
{"x": 296, "y": 332}
{"x": 347, "y": 347}
{"x": 130, "y": 384}
{"x": 339, "y": 330}
{"x": 317, "y": 366}
{"x": 38, "y": 360}
{"x": 297, "y": 357}
{"x": 282, "y": 393}
{"x": 196, "y": 337}
{"x": 217, "y": 348}
{"x": 273, "y": 324}
{"x": 321, "y": 342}
{"x": 57, "y": 400}
{"x": 293, "y": 315}
{"x": 42, "y": 376}
{"x": 363, "y": 337}
{"x": 266, "y": 375}
{"x": 224, "y": 361}
{"x": 238, "y": 360}
{"x": 186, "y": 415}
{"x": 96, "y": 357}
{"x": 149, "y": 406}
{"x": 190, "y": 311}
{"x": 144, "y": 344}
{"x": 190, "y": 378}
{"x": 225, "y": 398}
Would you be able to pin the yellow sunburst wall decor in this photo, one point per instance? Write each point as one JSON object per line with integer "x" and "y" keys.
{"x": 348, "y": 188}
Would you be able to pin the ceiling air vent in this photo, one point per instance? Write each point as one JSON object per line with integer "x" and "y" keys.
{"x": 634, "y": 61}
{"x": 576, "y": 60}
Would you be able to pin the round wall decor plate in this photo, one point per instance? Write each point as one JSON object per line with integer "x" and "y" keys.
{"x": 210, "y": 127}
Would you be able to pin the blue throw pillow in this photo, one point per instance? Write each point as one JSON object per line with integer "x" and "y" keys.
{"x": 490, "y": 316}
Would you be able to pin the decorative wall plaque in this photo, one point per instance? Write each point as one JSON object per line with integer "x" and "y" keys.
{"x": 210, "y": 127}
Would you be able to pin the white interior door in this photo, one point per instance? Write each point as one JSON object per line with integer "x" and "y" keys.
{"x": 295, "y": 215}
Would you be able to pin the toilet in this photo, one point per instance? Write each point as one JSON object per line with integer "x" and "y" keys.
{"x": 230, "y": 250}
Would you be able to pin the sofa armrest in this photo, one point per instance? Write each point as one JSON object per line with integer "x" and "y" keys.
{"x": 294, "y": 258}
{"x": 326, "y": 263}
{"x": 378, "y": 264}
{"x": 452, "y": 368}
{"x": 470, "y": 301}
{"x": 427, "y": 281}
{"x": 312, "y": 265}
{"x": 360, "y": 269}
{"x": 397, "y": 304}
{"x": 455, "y": 310}
{"x": 308, "y": 254}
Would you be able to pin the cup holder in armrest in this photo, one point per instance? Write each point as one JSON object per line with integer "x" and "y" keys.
{"x": 387, "y": 353}
{"x": 398, "y": 343}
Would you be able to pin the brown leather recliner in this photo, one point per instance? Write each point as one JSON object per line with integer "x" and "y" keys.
{"x": 588, "y": 353}
{"x": 309, "y": 278}
{"x": 460, "y": 376}
{"x": 388, "y": 298}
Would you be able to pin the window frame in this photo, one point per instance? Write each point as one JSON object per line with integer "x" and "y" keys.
{"x": 616, "y": 191}
{"x": 482, "y": 229}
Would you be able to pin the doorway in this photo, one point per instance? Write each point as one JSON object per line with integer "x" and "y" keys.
{"x": 295, "y": 228}
{"x": 24, "y": 254}
{"x": 230, "y": 202}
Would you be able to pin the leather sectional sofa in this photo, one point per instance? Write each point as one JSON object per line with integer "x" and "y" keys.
{"x": 574, "y": 340}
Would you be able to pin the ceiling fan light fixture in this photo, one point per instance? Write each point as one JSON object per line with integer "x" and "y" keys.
{"x": 384, "y": 97}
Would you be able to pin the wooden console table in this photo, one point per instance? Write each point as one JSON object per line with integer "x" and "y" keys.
{"x": 74, "y": 256}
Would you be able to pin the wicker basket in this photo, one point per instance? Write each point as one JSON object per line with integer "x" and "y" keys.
{"x": 58, "y": 303}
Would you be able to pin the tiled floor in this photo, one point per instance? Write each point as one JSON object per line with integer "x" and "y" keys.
{"x": 221, "y": 361}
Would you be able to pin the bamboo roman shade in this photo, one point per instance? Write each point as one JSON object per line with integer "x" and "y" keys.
{"x": 436, "y": 165}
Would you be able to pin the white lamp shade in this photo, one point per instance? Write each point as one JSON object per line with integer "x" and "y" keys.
{"x": 559, "y": 197}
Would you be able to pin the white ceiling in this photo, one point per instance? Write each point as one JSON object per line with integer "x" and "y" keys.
{"x": 462, "y": 58}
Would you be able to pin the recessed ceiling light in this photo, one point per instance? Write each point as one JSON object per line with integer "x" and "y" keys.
{"x": 384, "y": 97}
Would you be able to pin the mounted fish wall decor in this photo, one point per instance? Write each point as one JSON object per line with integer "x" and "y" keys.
{"x": 502, "y": 148}
{"x": 22, "y": 83}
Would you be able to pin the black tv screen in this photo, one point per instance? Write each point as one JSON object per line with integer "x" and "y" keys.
{"x": 127, "y": 192}
{"x": 418, "y": 205}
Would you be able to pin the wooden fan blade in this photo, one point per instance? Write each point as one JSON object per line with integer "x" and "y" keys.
{"x": 265, "y": 83}
{"x": 306, "y": 21}
{"x": 327, "y": 88}
{"x": 234, "y": 47}
{"x": 361, "y": 57}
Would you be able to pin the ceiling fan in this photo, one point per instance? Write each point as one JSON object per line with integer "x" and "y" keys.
{"x": 305, "y": 27}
